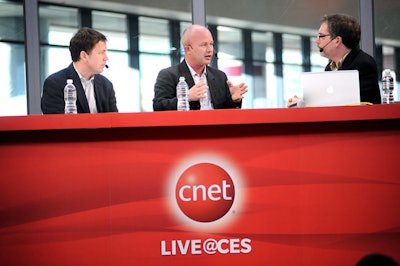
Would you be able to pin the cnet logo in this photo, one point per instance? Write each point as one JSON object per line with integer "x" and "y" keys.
{"x": 205, "y": 192}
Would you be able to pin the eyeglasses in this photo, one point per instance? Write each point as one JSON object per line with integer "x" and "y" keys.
{"x": 321, "y": 36}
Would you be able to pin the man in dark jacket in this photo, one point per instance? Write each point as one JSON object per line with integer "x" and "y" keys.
{"x": 206, "y": 84}
{"x": 338, "y": 39}
{"x": 95, "y": 93}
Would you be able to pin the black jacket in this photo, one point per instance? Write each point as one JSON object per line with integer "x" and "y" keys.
{"x": 52, "y": 101}
{"x": 165, "y": 88}
{"x": 368, "y": 74}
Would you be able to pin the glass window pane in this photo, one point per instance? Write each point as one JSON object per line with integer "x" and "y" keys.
{"x": 272, "y": 82}
{"x": 63, "y": 58}
{"x": 154, "y": 35}
{"x": 259, "y": 85}
{"x": 13, "y": 99}
{"x": 291, "y": 81}
{"x": 148, "y": 75}
{"x": 262, "y": 46}
{"x": 59, "y": 36}
{"x": 57, "y": 24}
{"x": 125, "y": 80}
{"x": 318, "y": 62}
{"x": 11, "y": 22}
{"x": 230, "y": 44}
{"x": 292, "y": 66}
{"x": 387, "y": 31}
{"x": 114, "y": 27}
{"x": 291, "y": 49}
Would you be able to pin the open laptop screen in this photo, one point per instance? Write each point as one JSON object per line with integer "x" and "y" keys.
{"x": 330, "y": 88}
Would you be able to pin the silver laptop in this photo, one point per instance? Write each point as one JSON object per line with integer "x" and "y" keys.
{"x": 330, "y": 88}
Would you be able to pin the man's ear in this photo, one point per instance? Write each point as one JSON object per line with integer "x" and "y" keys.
{"x": 338, "y": 40}
{"x": 83, "y": 55}
{"x": 187, "y": 48}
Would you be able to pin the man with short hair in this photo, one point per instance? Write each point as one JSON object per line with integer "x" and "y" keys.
{"x": 95, "y": 93}
{"x": 338, "y": 40}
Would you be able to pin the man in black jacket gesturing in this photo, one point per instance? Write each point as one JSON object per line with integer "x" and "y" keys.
{"x": 206, "y": 84}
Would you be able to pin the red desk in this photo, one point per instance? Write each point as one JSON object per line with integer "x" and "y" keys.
{"x": 309, "y": 186}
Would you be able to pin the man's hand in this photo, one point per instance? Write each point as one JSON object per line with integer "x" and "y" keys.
{"x": 293, "y": 101}
{"x": 237, "y": 91}
{"x": 198, "y": 91}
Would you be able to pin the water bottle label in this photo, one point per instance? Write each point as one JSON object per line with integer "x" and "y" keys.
{"x": 70, "y": 98}
{"x": 182, "y": 90}
{"x": 387, "y": 86}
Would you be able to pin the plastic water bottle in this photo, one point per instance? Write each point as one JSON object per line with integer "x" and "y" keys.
{"x": 387, "y": 86}
{"x": 70, "y": 98}
{"x": 182, "y": 93}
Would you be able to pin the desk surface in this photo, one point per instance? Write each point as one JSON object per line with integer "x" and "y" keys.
{"x": 199, "y": 118}
{"x": 320, "y": 184}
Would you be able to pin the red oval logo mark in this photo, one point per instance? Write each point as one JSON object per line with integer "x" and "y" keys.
{"x": 205, "y": 192}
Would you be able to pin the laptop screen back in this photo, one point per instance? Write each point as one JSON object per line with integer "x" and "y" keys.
{"x": 330, "y": 88}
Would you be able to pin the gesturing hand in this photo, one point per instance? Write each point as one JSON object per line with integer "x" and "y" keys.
{"x": 198, "y": 91}
{"x": 237, "y": 91}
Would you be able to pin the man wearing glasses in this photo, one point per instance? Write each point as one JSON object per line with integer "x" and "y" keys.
{"x": 338, "y": 40}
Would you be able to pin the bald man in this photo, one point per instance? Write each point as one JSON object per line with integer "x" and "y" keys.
{"x": 209, "y": 88}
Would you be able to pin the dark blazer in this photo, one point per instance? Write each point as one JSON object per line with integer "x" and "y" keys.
{"x": 368, "y": 74}
{"x": 52, "y": 101}
{"x": 165, "y": 88}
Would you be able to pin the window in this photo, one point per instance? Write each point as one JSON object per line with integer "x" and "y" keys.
{"x": 292, "y": 66}
{"x": 230, "y": 57}
{"x": 13, "y": 99}
{"x": 154, "y": 46}
{"x": 263, "y": 70}
{"x": 124, "y": 77}
{"x": 318, "y": 62}
{"x": 57, "y": 26}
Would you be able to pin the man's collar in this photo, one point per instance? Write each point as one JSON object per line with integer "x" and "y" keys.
{"x": 192, "y": 72}
{"x": 337, "y": 66}
{"x": 80, "y": 75}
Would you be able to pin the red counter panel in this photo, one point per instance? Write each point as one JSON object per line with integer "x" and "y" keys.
{"x": 123, "y": 193}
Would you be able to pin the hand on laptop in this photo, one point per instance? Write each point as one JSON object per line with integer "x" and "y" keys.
{"x": 292, "y": 102}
